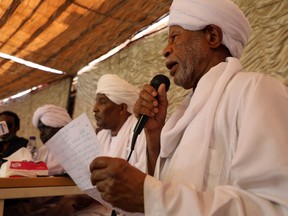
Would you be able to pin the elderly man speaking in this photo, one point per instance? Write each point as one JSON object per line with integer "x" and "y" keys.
{"x": 223, "y": 152}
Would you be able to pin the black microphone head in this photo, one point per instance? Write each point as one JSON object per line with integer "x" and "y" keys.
{"x": 158, "y": 80}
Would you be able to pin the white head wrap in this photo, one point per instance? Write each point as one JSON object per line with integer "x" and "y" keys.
{"x": 197, "y": 14}
{"x": 52, "y": 116}
{"x": 118, "y": 90}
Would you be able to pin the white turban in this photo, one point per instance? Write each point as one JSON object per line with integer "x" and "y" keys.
{"x": 118, "y": 90}
{"x": 197, "y": 14}
{"x": 52, "y": 116}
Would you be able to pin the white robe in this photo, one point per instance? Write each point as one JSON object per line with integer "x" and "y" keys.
{"x": 53, "y": 165}
{"x": 231, "y": 155}
{"x": 119, "y": 146}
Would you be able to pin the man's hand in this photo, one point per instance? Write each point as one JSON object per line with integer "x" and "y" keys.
{"x": 154, "y": 108}
{"x": 119, "y": 183}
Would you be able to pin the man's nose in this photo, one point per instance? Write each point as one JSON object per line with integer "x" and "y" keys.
{"x": 167, "y": 51}
{"x": 96, "y": 109}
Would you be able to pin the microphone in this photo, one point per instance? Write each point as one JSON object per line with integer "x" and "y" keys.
{"x": 155, "y": 83}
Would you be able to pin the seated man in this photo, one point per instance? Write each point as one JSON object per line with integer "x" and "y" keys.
{"x": 113, "y": 110}
{"x": 10, "y": 142}
{"x": 49, "y": 119}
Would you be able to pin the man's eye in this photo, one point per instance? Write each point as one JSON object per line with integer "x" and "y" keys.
{"x": 173, "y": 37}
{"x": 101, "y": 101}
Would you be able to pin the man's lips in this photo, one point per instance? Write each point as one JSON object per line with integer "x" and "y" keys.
{"x": 171, "y": 65}
{"x": 96, "y": 118}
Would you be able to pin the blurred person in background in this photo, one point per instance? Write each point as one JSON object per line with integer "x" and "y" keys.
{"x": 48, "y": 119}
{"x": 10, "y": 142}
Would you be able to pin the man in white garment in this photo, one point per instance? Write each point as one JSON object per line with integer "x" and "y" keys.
{"x": 49, "y": 119}
{"x": 113, "y": 113}
{"x": 224, "y": 150}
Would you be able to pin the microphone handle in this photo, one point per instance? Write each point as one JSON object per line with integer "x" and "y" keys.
{"x": 140, "y": 124}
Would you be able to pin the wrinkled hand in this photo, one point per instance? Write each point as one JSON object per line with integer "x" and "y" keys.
{"x": 119, "y": 183}
{"x": 154, "y": 108}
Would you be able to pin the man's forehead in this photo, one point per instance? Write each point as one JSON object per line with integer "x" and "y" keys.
{"x": 44, "y": 126}
{"x": 6, "y": 118}
{"x": 175, "y": 28}
{"x": 40, "y": 124}
{"x": 104, "y": 97}
{"x": 101, "y": 95}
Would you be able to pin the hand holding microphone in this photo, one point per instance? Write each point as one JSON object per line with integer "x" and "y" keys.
{"x": 146, "y": 102}
{"x": 155, "y": 83}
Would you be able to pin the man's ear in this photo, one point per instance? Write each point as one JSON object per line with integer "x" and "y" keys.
{"x": 15, "y": 130}
{"x": 214, "y": 35}
{"x": 123, "y": 108}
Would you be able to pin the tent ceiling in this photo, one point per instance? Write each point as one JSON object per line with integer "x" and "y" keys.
{"x": 65, "y": 35}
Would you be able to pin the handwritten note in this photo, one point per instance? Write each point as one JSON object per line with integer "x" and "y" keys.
{"x": 75, "y": 146}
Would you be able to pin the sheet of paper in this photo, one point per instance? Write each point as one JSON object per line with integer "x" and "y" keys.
{"x": 75, "y": 146}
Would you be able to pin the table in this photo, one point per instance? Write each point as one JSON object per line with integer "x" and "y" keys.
{"x": 23, "y": 187}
